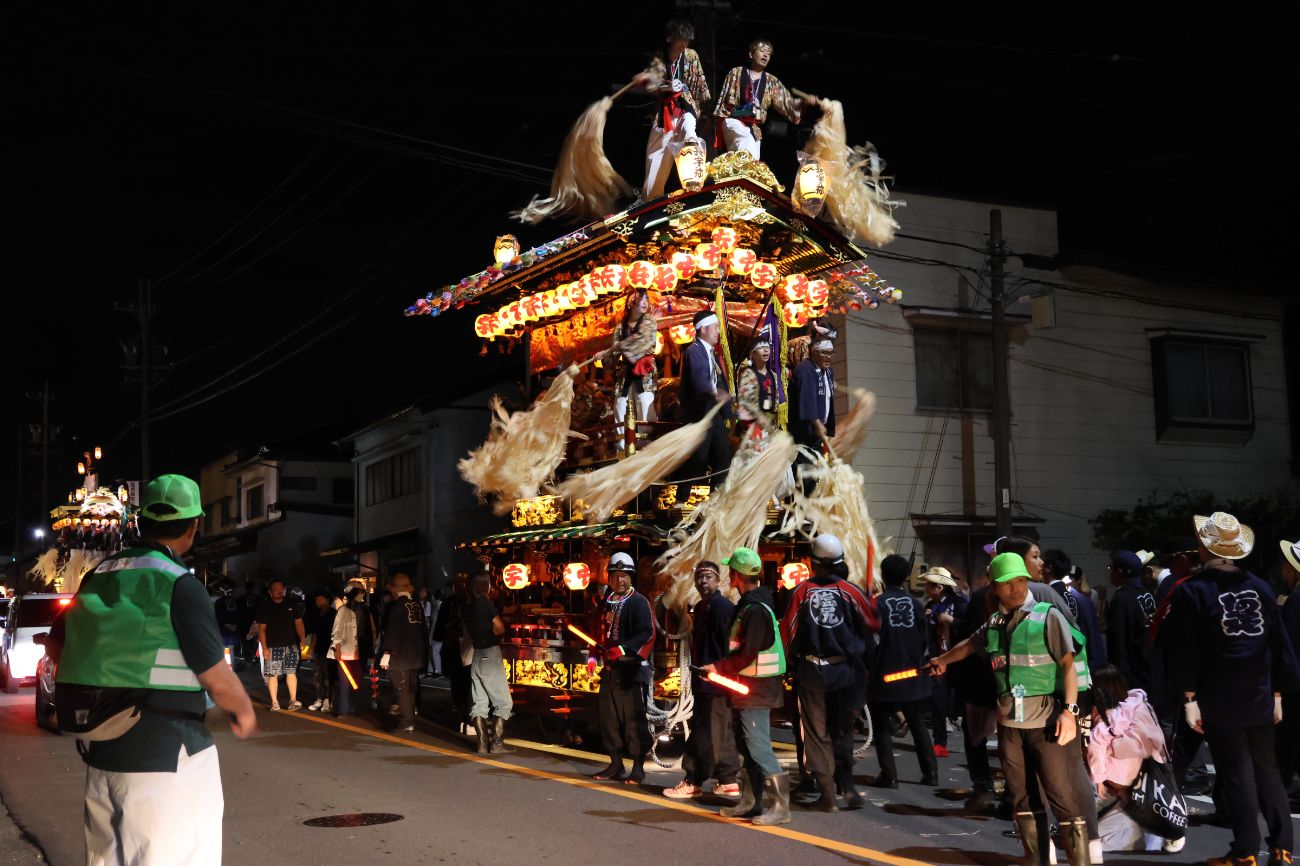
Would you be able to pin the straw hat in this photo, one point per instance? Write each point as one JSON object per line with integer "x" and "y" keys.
{"x": 1291, "y": 550}
{"x": 940, "y": 575}
{"x": 1224, "y": 536}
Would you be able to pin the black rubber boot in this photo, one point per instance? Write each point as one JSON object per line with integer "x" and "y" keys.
{"x": 484, "y": 737}
{"x": 826, "y": 802}
{"x": 1032, "y": 827}
{"x": 498, "y": 731}
{"x": 1074, "y": 835}
{"x": 747, "y": 807}
{"x": 777, "y": 811}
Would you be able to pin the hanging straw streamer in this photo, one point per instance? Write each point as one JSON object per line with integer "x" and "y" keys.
{"x": 724, "y": 345}
{"x": 608, "y": 488}
{"x": 858, "y": 200}
{"x": 522, "y": 448}
{"x": 779, "y": 350}
{"x": 851, "y": 430}
{"x": 585, "y": 185}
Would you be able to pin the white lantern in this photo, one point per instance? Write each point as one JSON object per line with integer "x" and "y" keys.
{"x": 690, "y": 167}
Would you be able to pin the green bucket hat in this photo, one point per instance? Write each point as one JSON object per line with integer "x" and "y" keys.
{"x": 1007, "y": 566}
{"x": 171, "y": 497}
{"x": 745, "y": 561}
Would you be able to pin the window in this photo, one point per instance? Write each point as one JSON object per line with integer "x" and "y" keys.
{"x": 394, "y": 476}
{"x": 226, "y": 517}
{"x": 344, "y": 491}
{"x": 1202, "y": 388}
{"x": 256, "y": 504}
{"x": 297, "y": 482}
{"x": 954, "y": 369}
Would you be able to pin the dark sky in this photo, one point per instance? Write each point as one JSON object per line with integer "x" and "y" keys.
{"x": 291, "y": 179}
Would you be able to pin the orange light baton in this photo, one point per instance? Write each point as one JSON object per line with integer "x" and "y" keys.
{"x": 591, "y": 641}
{"x": 911, "y": 673}
{"x": 347, "y": 673}
{"x": 726, "y": 682}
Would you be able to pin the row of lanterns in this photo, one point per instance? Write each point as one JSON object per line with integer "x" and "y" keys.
{"x": 810, "y": 185}
{"x": 516, "y": 575}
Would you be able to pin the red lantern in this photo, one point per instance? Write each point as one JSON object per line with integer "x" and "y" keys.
{"x": 743, "y": 261}
{"x": 793, "y": 574}
{"x": 725, "y": 237}
{"x": 515, "y": 575}
{"x": 818, "y": 293}
{"x": 641, "y": 274}
{"x": 665, "y": 278}
{"x": 577, "y": 575}
{"x": 485, "y": 325}
{"x": 530, "y": 308}
{"x": 794, "y": 288}
{"x": 609, "y": 279}
{"x": 684, "y": 264}
{"x": 708, "y": 257}
{"x": 588, "y": 287}
{"x": 796, "y": 315}
{"x": 763, "y": 275}
{"x": 681, "y": 334}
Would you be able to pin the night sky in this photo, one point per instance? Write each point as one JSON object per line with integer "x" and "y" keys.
{"x": 291, "y": 180}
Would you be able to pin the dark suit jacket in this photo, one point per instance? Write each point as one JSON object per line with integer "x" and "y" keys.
{"x": 698, "y": 393}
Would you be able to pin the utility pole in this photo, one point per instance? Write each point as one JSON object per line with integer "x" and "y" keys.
{"x": 146, "y": 310}
{"x": 18, "y": 499}
{"x": 1001, "y": 388}
{"x": 45, "y": 450}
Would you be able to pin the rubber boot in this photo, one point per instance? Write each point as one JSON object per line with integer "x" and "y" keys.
{"x": 1074, "y": 835}
{"x": 498, "y": 731}
{"x": 778, "y": 812}
{"x": 1032, "y": 827}
{"x": 747, "y": 807}
{"x": 826, "y": 802}
{"x": 484, "y": 737}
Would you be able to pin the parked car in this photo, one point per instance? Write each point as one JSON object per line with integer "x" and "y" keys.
{"x": 29, "y": 615}
{"x": 45, "y": 672}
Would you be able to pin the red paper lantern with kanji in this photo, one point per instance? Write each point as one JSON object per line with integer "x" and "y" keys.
{"x": 794, "y": 288}
{"x": 684, "y": 264}
{"x": 793, "y": 574}
{"x": 515, "y": 575}
{"x": 577, "y": 575}
{"x": 796, "y": 315}
{"x": 725, "y": 237}
{"x": 485, "y": 325}
{"x": 682, "y": 334}
{"x": 665, "y": 278}
{"x": 588, "y": 287}
{"x": 742, "y": 261}
{"x": 763, "y": 275}
{"x": 708, "y": 256}
{"x": 609, "y": 279}
{"x": 818, "y": 293}
{"x": 529, "y": 306}
{"x": 641, "y": 274}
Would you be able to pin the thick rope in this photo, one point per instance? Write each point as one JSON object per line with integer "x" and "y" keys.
{"x": 667, "y": 721}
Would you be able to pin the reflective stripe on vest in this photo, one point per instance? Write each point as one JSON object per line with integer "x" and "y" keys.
{"x": 119, "y": 630}
{"x": 769, "y": 662}
{"x": 1029, "y": 663}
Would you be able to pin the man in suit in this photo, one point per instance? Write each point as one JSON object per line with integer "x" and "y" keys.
{"x": 703, "y": 386}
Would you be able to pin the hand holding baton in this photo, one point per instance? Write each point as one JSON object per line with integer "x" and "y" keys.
{"x": 726, "y": 682}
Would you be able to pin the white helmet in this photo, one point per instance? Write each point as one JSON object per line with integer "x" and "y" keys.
{"x": 621, "y": 562}
{"x": 827, "y": 549}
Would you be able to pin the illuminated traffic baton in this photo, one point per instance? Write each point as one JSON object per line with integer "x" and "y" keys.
{"x": 909, "y": 674}
{"x": 726, "y": 682}
{"x": 591, "y": 641}
{"x": 347, "y": 673}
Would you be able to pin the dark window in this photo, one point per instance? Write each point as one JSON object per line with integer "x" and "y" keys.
{"x": 954, "y": 370}
{"x": 344, "y": 491}
{"x": 226, "y": 517}
{"x": 36, "y": 612}
{"x": 297, "y": 482}
{"x": 256, "y": 503}
{"x": 394, "y": 476}
{"x": 1202, "y": 384}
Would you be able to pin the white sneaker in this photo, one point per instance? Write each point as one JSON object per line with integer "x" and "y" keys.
{"x": 316, "y": 705}
{"x": 1173, "y": 846}
{"x": 1094, "y": 851}
{"x": 325, "y": 706}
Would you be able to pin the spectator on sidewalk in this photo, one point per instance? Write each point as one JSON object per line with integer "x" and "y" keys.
{"x": 447, "y": 631}
{"x": 403, "y": 646}
{"x": 489, "y": 689}
{"x": 322, "y": 642}
{"x": 1128, "y": 616}
{"x": 281, "y": 634}
{"x": 343, "y": 651}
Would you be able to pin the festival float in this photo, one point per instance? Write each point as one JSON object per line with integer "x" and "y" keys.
{"x": 578, "y": 480}
{"x": 92, "y": 525}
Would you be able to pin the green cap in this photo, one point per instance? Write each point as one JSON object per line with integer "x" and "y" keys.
{"x": 1007, "y": 566}
{"x": 171, "y": 497}
{"x": 745, "y": 561}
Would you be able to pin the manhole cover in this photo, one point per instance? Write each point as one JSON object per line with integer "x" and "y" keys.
{"x": 356, "y": 819}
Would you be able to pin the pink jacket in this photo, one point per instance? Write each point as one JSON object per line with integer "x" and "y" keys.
{"x": 1117, "y": 749}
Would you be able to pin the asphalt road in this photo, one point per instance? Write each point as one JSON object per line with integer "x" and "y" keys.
{"x": 533, "y": 806}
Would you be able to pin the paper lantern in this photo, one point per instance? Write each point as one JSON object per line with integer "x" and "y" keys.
{"x": 531, "y": 309}
{"x": 587, "y": 285}
{"x": 684, "y": 264}
{"x": 681, "y": 334}
{"x": 563, "y": 301}
{"x": 818, "y": 293}
{"x": 485, "y": 326}
{"x": 763, "y": 275}
{"x": 577, "y": 575}
{"x": 506, "y": 316}
{"x": 742, "y": 261}
{"x": 641, "y": 274}
{"x": 515, "y": 575}
{"x": 796, "y": 315}
{"x": 609, "y": 279}
{"x": 691, "y": 165}
{"x": 659, "y": 343}
{"x": 793, "y": 574}
{"x": 794, "y": 288}
{"x": 810, "y": 188}
{"x": 506, "y": 249}
{"x": 708, "y": 256}
{"x": 665, "y": 278}
{"x": 725, "y": 237}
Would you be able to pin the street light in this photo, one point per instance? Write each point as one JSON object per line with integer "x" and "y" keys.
{"x": 39, "y": 533}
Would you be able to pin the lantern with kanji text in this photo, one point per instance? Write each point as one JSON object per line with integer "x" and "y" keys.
{"x": 763, "y": 275}
{"x": 793, "y": 574}
{"x": 684, "y": 264}
{"x": 726, "y": 238}
{"x": 682, "y": 334}
{"x": 485, "y": 326}
{"x": 577, "y": 575}
{"x": 665, "y": 278}
{"x": 794, "y": 288}
{"x": 742, "y": 261}
{"x": 515, "y": 575}
{"x": 796, "y": 315}
{"x": 818, "y": 293}
{"x": 708, "y": 256}
{"x": 641, "y": 274}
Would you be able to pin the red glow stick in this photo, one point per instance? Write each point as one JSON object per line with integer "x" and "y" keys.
{"x": 591, "y": 641}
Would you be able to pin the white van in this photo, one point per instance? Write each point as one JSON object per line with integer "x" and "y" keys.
{"x": 29, "y": 615}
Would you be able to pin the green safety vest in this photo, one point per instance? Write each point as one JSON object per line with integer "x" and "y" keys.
{"x": 1029, "y": 664}
{"x": 768, "y": 663}
{"x": 119, "y": 627}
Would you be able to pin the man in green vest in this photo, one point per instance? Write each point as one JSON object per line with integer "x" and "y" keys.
{"x": 756, "y": 659}
{"x": 142, "y": 622}
{"x": 1031, "y": 648}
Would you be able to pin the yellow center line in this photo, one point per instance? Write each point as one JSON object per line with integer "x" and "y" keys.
{"x": 618, "y": 791}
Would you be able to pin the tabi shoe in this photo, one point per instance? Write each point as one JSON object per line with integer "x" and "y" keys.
{"x": 1031, "y": 827}
{"x": 637, "y": 776}
{"x": 1229, "y": 860}
{"x": 1074, "y": 836}
{"x": 776, "y": 803}
{"x": 884, "y": 780}
{"x": 499, "y": 746}
{"x": 484, "y": 736}
{"x": 805, "y": 790}
{"x": 826, "y": 802}
{"x": 748, "y": 805}
{"x": 1279, "y": 857}
{"x": 683, "y": 790}
{"x": 612, "y": 772}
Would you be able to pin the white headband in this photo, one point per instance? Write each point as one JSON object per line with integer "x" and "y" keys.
{"x": 823, "y": 344}
{"x": 710, "y": 319}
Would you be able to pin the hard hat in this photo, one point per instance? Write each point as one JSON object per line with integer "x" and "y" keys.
{"x": 827, "y": 549}
{"x": 621, "y": 562}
